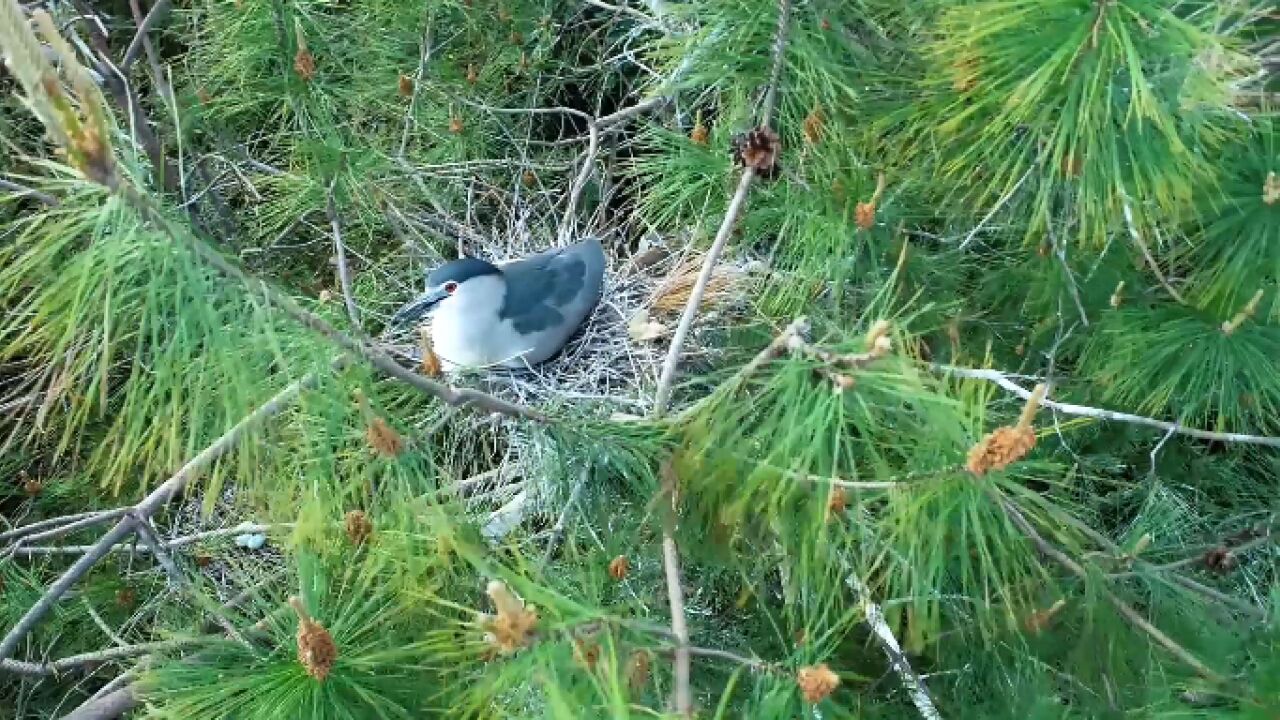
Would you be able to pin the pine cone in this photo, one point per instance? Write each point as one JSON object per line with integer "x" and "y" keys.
{"x": 1220, "y": 560}
{"x": 758, "y": 149}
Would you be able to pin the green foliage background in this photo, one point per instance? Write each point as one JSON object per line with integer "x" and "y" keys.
{"x": 1073, "y": 191}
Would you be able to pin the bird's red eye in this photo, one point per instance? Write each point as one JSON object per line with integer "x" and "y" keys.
{"x": 450, "y": 286}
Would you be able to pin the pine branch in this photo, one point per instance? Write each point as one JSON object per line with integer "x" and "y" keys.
{"x": 1004, "y": 381}
{"x": 1125, "y": 609}
{"x": 107, "y": 707}
{"x": 143, "y": 511}
{"x": 136, "y": 46}
{"x": 670, "y": 551}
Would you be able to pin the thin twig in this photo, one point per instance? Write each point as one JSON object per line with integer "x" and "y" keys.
{"x": 77, "y": 662}
{"x": 340, "y": 256}
{"x": 1002, "y": 379}
{"x": 580, "y": 180}
{"x": 424, "y": 58}
{"x": 144, "y": 509}
{"x": 107, "y": 707}
{"x": 670, "y": 552}
{"x": 17, "y": 190}
{"x": 884, "y": 635}
{"x": 679, "y": 626}
{"x": 562, "y": 523}
{"x": 995, "y": 209}
{"x": 1124, "y": 608}
{"x": 1146, "y": 251}
{"x": 662, "y": 395}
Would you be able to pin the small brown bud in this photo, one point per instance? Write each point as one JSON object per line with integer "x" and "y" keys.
{"x": 126, "y": 597}
{"x": 618, "y": 567}
{"x": 826, "y": 24}
{"x": 529, "y": 179}
{"x": 304, "y": 63}
{"x": 814, "y": 125}
{"x": 406, "y": 85}
{"x": 638, "y": 670}
{"x": 1040, "y": 619}
{"x": 1006, "y": 445}
{"x": 865, "y": 212}
{"x": 759, "y": 149}
{"x": 837, "y": 502}
{"x": 359, "y": 527}
{"x": 699, "y": 133}
{"x": 515, "y": 623}
{"x": 472, "y": 74}
{"x": 203, "y": 559}
{"x": 430, "y": 364}
{"x": 31, "y": 486}
{"x": 586, "y": 653}
{"x": 455, "y": 124}
{"x": 865, "y": 215}
{"x": 816, "y": 682}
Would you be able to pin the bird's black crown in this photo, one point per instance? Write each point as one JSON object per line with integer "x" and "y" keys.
{"x": 460, "y": 271}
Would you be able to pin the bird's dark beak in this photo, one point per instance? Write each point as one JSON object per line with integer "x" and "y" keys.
{"x": 417, "y": 308}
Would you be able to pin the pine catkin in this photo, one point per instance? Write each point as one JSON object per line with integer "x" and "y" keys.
{"x": 816, "y": 682}
{"x": 1006, "y": 445}
{"x": 316, "y": 649}
{"x": 514, "y": 624}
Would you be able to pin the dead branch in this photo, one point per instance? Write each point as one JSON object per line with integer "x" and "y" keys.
{"x": 1004, "y": 381}
{"x": 884, "y": 635}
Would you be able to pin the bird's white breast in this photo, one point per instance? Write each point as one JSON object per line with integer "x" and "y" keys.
{"x": 466, "y": 331}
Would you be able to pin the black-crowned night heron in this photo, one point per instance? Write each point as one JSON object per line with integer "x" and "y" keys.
{"x": 511, "y": 314}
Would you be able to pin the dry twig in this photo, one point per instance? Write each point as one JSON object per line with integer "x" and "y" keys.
{"x": 1004, "y": 381}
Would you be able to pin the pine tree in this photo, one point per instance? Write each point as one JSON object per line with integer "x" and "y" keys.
{"x": 937, "y": 371}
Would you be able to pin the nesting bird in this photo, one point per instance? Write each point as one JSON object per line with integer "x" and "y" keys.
{"x": 513, "y": 314}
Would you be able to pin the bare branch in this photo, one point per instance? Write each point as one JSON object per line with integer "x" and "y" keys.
{"x": 87, "y": 660}
{"x": 884, "y": 635}
{"x": 1002, "y": 379}
{"x": 340, "y": 256}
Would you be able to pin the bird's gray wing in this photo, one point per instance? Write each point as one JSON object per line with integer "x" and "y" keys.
{"x": 545, "y": 290}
